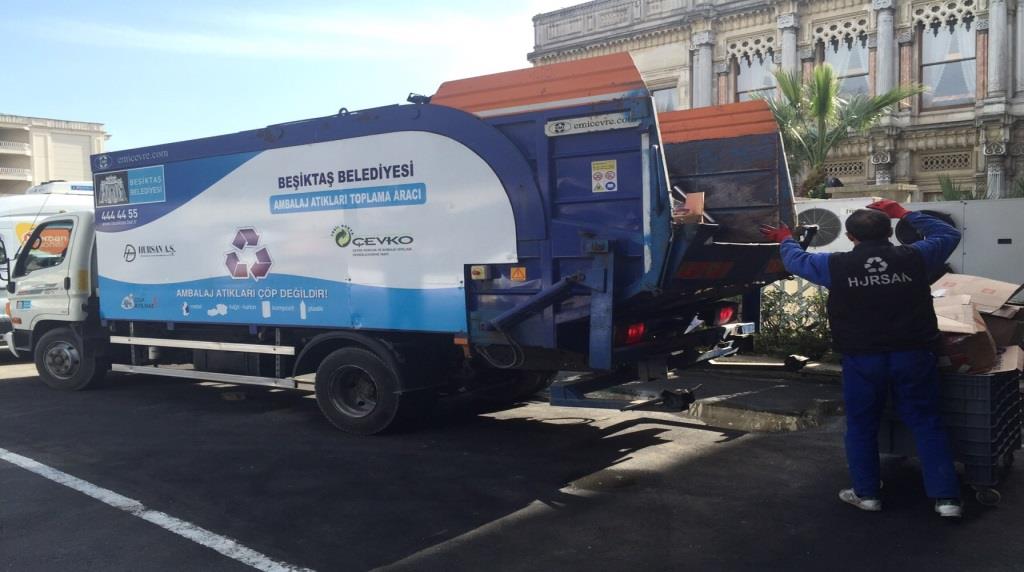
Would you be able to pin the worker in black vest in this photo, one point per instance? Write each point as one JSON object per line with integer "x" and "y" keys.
{"x": 882, "y": 319}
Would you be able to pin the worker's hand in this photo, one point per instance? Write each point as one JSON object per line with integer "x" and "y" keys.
{"x": 891, "y": 208}
{"x": 776, "y": 234}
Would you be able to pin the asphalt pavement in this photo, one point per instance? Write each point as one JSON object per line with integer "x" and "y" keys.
{"x": 527, "y": 488}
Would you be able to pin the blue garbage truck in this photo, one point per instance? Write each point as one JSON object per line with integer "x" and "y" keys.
{"x": 477, "y": 241}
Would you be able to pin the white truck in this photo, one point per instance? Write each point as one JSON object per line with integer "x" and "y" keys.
{"x": 19, "y": 215}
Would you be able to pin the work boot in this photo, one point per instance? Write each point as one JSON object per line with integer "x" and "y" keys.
{"x": 949, "y": 508}
{"x": 870, "y": 504}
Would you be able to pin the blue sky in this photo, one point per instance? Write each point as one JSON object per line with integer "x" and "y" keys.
{"x": 169, "y": 71}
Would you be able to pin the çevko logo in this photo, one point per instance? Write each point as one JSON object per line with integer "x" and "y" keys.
{"x": 344, "y": 237}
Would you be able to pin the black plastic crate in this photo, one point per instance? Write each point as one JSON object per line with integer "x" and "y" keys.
{"x": 1009, "y": 438}
{"x": 1010, "y": 419}
{"x": 1010, "y": 394}
{"x": 982, "y": 420}
{"x": 981, "y": 387}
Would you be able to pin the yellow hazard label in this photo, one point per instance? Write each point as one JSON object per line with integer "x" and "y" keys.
{"x": 518, "y": 274}
{"x": 604, "y": 176}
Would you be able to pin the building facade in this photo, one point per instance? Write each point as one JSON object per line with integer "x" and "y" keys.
{"x": 34, "y": 150}
{"x": 968, "y": 53}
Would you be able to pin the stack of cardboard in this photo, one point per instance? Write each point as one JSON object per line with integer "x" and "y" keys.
{"x": 982, "y": 331}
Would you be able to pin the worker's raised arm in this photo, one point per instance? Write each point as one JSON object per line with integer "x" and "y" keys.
{"x": 812, "y": 267}
{"x": 940, "y": 239}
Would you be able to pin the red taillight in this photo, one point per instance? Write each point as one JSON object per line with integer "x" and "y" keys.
{"x": 635, "y": 333}
{"x": 726, "y": 314}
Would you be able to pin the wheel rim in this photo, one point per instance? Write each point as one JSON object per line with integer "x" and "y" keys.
{"x": 353, "y": 391}
{"x": 62, "y": 360}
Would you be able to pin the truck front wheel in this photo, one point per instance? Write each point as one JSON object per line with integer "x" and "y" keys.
{"x": 63, "y": 362}
{"x": 359, "y": 393}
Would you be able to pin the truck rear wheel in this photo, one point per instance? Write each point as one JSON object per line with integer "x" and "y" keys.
{"x": 63, "y": 362}
{"x": 359, "y": 393}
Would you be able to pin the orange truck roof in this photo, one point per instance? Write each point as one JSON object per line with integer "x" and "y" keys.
{"x": 557, "y": 85}
{"x": 717, "y": 122}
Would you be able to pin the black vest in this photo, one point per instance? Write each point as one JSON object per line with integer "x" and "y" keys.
{"x": 880, "y": 300}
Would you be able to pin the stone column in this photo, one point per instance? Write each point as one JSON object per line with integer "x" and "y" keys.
{"x": 995, "y": 170}
{"x": 725, "y": 90}
{"x": 1019, "y": 52}
{"x": 882, "y": 160}
{"x": 885, "y": 53}
{"x": 905, "y": 39}
{"x": 807, "y": 55}
{"x": 790, "y": 57}
{"x": 998, "y": 52}
{"x": 703, "y": 70}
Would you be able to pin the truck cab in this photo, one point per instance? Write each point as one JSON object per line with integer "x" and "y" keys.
{"x": 50, "y": 288}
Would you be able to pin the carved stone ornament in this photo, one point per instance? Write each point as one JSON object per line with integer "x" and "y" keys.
{"x": 777, "y": 58}
{"x": 883, "y": 175}
{"x": 994, "y": 149}
{"x": 882, "y": 4}
{"x": 721, "y": 67}
{"x": 943, "y": 12}
{"x": 994, "y": 168}
{"x": 1017, "y": 149}
{"x": 841, "y": 29}
{"x": 703, "y": 38}
{"x": 981, "y": 24}
{"x": 881, "y": 158}
{"x": 807, "y": 53}
{"x": 787, "y": 21}
{"x": 905, "y": 36}
{"x": 873, "y": 40}
{"x": 751, "y": 46}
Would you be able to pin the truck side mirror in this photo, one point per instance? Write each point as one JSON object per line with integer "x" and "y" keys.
{"x": 10, "y": 287}
{"x": 3, "y": 252}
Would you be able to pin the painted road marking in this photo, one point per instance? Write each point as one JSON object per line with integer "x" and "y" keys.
{"x": 222, "y": 544}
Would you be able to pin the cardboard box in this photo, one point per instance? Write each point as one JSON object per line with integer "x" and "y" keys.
{"x": 990, "y": 296}
{"x": 967, "y": 345}
{"x": 692, "y": 211}
{"x": 968, "y": 353}
{"x": 1005, "y": 331}
{"x": 1009, "y": 359}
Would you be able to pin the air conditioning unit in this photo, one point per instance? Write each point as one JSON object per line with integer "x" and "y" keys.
{"x": 992, "y": 233}
{"x": 830, "y": 217}
{"x": 992, "y": 236}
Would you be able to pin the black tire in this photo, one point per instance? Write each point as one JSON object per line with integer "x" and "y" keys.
{"x": 63, "y": 362}
{"x": 359, "y": 393}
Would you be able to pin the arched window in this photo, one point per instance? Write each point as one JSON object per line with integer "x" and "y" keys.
{"x": 848, "y": 56}
{"x": 948, "y": 66}
{"x": 754, "y": 75}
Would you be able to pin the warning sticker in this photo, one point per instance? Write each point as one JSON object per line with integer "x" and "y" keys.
{"x": 605, "y": 175}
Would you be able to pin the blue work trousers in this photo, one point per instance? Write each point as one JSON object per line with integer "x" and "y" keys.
{"x": 913, "y": 380}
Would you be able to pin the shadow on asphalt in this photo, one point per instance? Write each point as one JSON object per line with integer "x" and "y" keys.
{"x": 263, "y": 466}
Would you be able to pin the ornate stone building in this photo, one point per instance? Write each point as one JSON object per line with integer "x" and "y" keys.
{"x": 969, "y": 53}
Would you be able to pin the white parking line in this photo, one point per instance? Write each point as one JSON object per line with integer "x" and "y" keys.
{"x": 222, "y": 544}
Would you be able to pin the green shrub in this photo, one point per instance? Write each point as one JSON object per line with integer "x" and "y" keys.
{"x": 794, "y": 324}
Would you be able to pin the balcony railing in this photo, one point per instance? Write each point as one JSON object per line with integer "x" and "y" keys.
{"x": 15, "y": 174}
{"x": 15, "y": 147}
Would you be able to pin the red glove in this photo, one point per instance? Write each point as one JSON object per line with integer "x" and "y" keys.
{"x": 891, "y": 208}
{"x": 776, "y": 234}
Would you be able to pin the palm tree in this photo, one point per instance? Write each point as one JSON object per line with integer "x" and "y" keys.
{"x": 814, "y": 119}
